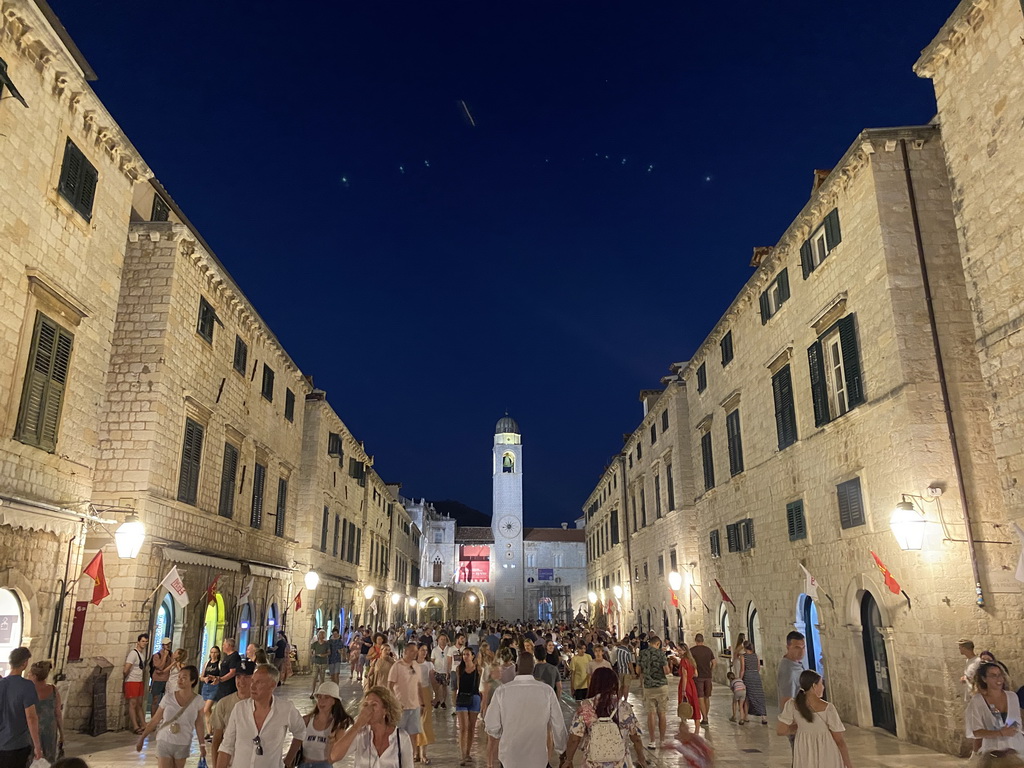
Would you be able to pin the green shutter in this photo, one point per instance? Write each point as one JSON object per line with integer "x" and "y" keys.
{"x": 45, "y": 381}
{"x": 833, "y": 235}
{"x": 851, "y": 361}
{"x": 229, "y": 471}
{"x": 819, "y": 393}
{"x": 732, "y": 536}
{"x": 785, "y": 413}
{"x": 191, "y": 458}
{"x": 783, "y": 281}
{"x": 259, "y": 478}
{"x": 732, "y": 430}
{"x": 806, "y": 259}
{"x": 78, "y": 180}
{"x": 708, "y": 460}
{"x": 851, "y": 506}
{"x": 282, "y": 506}
{"x": 764, "y": 307}
{"x": 87, "y": 191}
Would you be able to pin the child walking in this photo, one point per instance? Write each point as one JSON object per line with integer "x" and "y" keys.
{"x": 739, "y": 699}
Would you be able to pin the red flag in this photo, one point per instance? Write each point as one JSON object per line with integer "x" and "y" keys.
{"x": 675, "y": 598}
{"x": 298, "y": 600}
{"x": 725, "y": 597}
{"x": 94, "y": 570}
{"x": 890, "y": 582}
{"x": 211, "y": 591}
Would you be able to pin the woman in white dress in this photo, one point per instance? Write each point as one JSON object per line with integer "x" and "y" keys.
{"x": 819, "y": 741}
{"x": 179, "y": 714}
{"x": 993, "y": 713}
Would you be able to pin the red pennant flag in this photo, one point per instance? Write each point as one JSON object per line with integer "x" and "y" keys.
{"x": 211, "y": 591}
{"x": 675, "y": 598}
{"x": 890, "y": 582}
{"x": 725, "y": 597}
{"x": 94, "y": 570}
{"x": 298, "y": 600}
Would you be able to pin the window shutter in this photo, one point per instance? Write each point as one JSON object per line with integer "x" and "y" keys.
{"x": 226, "y": 506}
{"x": 851, "y": 505}
{"x": 783, "y": 281}
{"x": 334, "y": 444}
{"x": 795, "y": 522}
{"x": 289, "y": 405}
{"x": 70, "y": 173}
{"x": 282, "y": 507}
{"x": 732, "y": 537}
{"x": 806, "y": 260}
{"x": 764, "y": 307}
{"x": 732, "y": 429}
{"x": 337, "y": 528}
{"x": 819, "y": 394}
{"x": 785, "y": 413}
{"x": 716, "y": 543}
{"x": 241, "y": 355}
{"x": 259, "y": 479}
{"x": 851, "y": 361}
{"x": 191, "y": 455}
{"x": 87, "y": 193}
{"x": 745, "y": 528}
{"x": 709, "y": 461}
{"x": 324, "y": 525}
{"x": 45, "y": 381}
{"x": 833, "y": 236}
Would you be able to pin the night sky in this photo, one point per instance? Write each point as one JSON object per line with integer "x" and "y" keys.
{"x": 551, "y": 260}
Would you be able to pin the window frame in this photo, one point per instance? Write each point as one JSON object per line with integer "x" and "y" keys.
{"x": 726, "y": 346}
{"x": 267, "y": 387}
{"x": 846, "y": 493}
{"x": 715, "y": 541}
{"x": 796, "y": 520}
{"x": 43, "y": 392}
{"x": 702, "y": 377}
{"x": 707, "y": 451}
{"x": 240, "y": 359}
{"x": 78, "y": 180}
{"x": 190, "y": 468}
{"x": 228, "y": 478}
{"x": 259, "y": 491}
{"x": 206, "y": 320}
{"x": 289, "y": 404}
{"x": 734, "y": 440}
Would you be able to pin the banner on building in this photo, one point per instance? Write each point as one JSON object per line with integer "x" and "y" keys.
{"x": 94, "y": 570}
{"x": 77, "y": 630}
{"x": 246, "y": 591}
{"x": 545, "y": 574}
{"x": 172, "y": 583}
{"x": 810, "y": 583}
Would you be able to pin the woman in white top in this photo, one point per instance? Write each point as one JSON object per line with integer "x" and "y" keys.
{"x": 179, "y": 714}
{"x": 819, "y": 741}
{"x": 425, "y": 667}
{"x": 324, "y": 725}
{"x": 375, "y": 739}
{"x": 177, "y": 664}
{"x": 993, "y": 713}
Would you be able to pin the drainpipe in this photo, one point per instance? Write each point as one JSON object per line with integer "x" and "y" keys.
{"x": 957, "y": 465}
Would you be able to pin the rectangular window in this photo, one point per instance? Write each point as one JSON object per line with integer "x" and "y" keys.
{"x": 325, "y": 524}
{"x": 795, "y": 522}
{"x": 654, "y": 433}
{"x": 344, "y": 538}
{"x": 785, "y": 412}
{"x": 740, "y": 536}
{"x": 633, "y": 501}
{"x": 670, "y": 488}
{"x": 46, "y": 377}
{"x": 707, "y": 455}
{"x": 353, "y": 550}
{"x": 268, "y": 383}
{"x": 229, "y": 472}
{"x": 851, "y": 505}
{"x": 282, "y": 507}
{"x": 647, "y": 573}
{"x": 241, "y": 355}
{"x": 334, "y": 445}
{"x": 357, "y": 470}
{"x": 160, "y": 209}
{"x": 289, "y": 405}
{"x": 78, "y": 180}
{"x": 821, "y": 242}
{"x": 735, "y": 442}
{"x": 643, "y": 507}
{"x": 774, "y": 296}
{"x": 259, "y": 479}
{"x": 726, "y": 346}
{"x": 661, "y": 565}
{"x": 716, "y": 543}
{"x": 639, "y": 449}
{"x": 664, "y": 421}
{"x": 207, "y": 317}
{"x": 558, "y": 561}
{"x": 337, "y": 535}
{"x": 359, "y": 545}
{"x": 835, "y": 371}
{"x": 191, "y": 458}
{"x": 673, "y": 560}
{"x": 657, "y": 497}
{"x": 531, "y": 561}
{"x": 702, "y": 377}
{"x": 615, "y": 526}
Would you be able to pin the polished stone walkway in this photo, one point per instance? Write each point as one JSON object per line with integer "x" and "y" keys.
{"x": 749, "y": 746}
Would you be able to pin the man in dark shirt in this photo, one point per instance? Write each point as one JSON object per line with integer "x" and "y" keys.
{"x": 546, "y": 673}
{"x": 230, "y": 663}
{"x": 705, "y": 660}
{"x": 19, "y": 723}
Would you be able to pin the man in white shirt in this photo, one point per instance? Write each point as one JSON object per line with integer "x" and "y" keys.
{"x": 454, "y": 654}
{"x": 256, "y": 729}
{"x": 966, "y": 648}
{"x": 439, "y": 657}
{"x": 518, "y": 713}
{"x": 404, "y": 682}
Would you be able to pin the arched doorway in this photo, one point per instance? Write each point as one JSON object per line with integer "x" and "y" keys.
{"x": 650, "y": 626}
{"x": 876, "y": 659}
{"x": 680, "y": 633}
{"x": 272, "y": 621}
{"x": 664, "y": 622}
{"x": 320, "y": 620}
{"x": 807, "y": 622}
{"x": 164, "y": 624}
{"x": 435, "y": 610}
{"x": 754, "y": 629}
{"x": 244, "y": 623}
{"x": 544, "y": 609}
{"x": 723, "y": 621}
{"x": 12, "y": 622}
{"x": 213, "y": 627}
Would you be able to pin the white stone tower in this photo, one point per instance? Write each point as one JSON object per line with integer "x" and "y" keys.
{"x": 507, "y": 520}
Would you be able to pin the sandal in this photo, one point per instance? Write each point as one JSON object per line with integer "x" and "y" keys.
{"x": 139, "y": 731}
{"x": 425, "y": 761}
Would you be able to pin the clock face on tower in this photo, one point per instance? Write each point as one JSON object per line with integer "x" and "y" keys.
{"x": 509, "y": 526}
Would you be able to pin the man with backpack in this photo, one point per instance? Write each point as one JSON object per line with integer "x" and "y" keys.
{"x": 134, "y": 664}
{"x": 160, "y": 671}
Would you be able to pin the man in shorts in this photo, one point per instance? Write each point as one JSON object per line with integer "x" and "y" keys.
{"x": 655, "y": 670}
{"x": 704, "y": 657}
{"x": 335, "y": 645}
{"x": 404, "y": 682}
{"x": 133, "y": 687}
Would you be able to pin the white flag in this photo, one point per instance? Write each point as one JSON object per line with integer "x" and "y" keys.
{"x": 373, "y": 607}
{"x": 172, "y": 583}
{"x": 1020, "y": 560}
{"x": 811, "y": 585}
{"x": 246, "y": 591}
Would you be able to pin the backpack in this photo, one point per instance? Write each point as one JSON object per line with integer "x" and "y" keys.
{"x": 606, "y": 742}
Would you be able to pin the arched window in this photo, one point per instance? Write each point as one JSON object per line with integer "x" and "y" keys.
{"x": 11, "y": 622}
{"x": 272, "y": 622}
{"x": 164, "y": 622}
{"x": 508, "y": 463}
{"x": 436, "y": 575}
{"x": 723, "y": 619}
{"x": 243, "y": 626}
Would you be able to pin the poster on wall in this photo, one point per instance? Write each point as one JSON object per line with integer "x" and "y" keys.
{"x": 545, "y": 574}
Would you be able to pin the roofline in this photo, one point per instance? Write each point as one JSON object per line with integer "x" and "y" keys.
{"x": 87, "y": 71}
{"x": 956, "y": 26}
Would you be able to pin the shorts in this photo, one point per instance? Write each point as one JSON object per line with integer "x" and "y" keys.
{"x": 335, "y": 668}
{"x": 133, "y": 690}
{"x": 209, "y": 691}
{"x": 473, "y": 707}
{"x": 441, "y": 678}
{"x": 656, "y": 699}
{"x": 410, "y": 721}
{"x": 739, "y": 695}
{"x": 703, "y": 687}
{"x": 176, "y": 751}
{"x": 319, "y": 668}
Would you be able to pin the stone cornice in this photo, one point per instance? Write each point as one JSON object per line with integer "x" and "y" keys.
{"x": 35, "y": 39}
{"x": 967, "y": 18}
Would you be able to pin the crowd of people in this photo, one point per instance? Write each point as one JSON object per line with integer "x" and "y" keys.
{"x": 503, "y": 683}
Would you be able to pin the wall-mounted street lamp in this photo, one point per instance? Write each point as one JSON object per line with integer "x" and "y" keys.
{"x": 907, "y": 524}
{"x": 617, "y": 591}
{"x": 395, "y": 598}
{"x": 472, "y": 598}
{"x": 592, "y": 597}
{"x": 312, "y": 580}
{"x": 368, "y": 591}
{"x": 675, "y": 581}
{"x": 129, "y": 537}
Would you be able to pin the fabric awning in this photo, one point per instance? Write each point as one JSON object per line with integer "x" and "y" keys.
{"x": 194, "y": 558}
{"x": 269, "y": 573}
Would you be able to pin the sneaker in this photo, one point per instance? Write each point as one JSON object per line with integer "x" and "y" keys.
{"x": 705, "y": 723}
{"x": 651, "y": 745}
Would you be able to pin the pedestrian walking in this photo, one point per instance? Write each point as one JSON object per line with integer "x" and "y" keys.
{"x": 404, "y": 682}
{"x": 966, "y": 648}
{"x": 791, "y": 666}
{"x": 208, "y": 690}
{"x": 179, "y": 714}
{"x": 521, "y": 714}
{"x": 19, "y": 719}
{"x": 755, "y": 686}
{"x": 579, "y": 672}
{"x": 688, "y": 689}
{"x": 160, "y": 671}
{"x": 705, "y": 660}
{"x": 255, "y": 735}
{"x": 49, "y": 710}
{"x": 230, "y": 664}
{"x": 739, "y": 699}
{"x": 467, "y": 701}
{"x": 547, "y": 673}
{"x": 335, "y": 647}
{"x": 654, "y": 668}
{"x": 355, "y": 658}
{"x": 222, "y": 710}
{"x": 425, "y": 671}
{"x": 281, "y": 656}
{"x": 604, "y": 724}
{"x": 133, "y": 682}
{"x": 993, "y": 714}
{"x": 324, "y": 726}
{"x": 439, "y": 657}
{"x": 380, "y": 669}
{"x": 319, "y": 653}
{"x": 375, "y": 740}
{"x": 178, "y": 659}
{"x": 815, "y": 725}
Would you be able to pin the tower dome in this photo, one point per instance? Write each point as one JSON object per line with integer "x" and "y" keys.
{"x": 506, "y": 424}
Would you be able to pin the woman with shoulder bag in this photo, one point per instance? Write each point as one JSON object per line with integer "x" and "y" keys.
{"x": 177, "y": 716}
{"x": 993, "y": 715}
{"x": 467, "y": 701}
{"x": 324, "y": 725}
{"x": 602, "y": 723}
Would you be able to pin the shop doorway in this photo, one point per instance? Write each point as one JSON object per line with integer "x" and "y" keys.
{"x": 876, "y": 659}
{"x": 807, "y": 622}
{"x": 12, "y": 620}
{"x": 213, "y": 628}
{"x": 243, "y": 627}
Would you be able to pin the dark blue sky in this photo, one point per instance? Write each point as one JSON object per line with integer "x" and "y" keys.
{"x": 512, "y": 265}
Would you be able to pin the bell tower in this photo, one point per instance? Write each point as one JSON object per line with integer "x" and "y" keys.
{"x": 507, "y": 520}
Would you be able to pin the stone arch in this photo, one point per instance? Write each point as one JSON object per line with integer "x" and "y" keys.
{"x": 13, "y": 580}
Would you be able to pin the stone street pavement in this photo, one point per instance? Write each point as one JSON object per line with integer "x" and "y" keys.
{"x": 749, "y": 746}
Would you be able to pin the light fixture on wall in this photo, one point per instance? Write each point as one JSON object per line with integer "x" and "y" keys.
{"x": 395, "y": 598}
{"x": 129, "y": 537}
{"x": 617, "y": 591}
{"x": 592, "y": 597}
{"x": 675, "y": 581}
{"x": 908, "y": 523}
{"x": 368, "y": 591}
{"x": 312, "y": 580}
